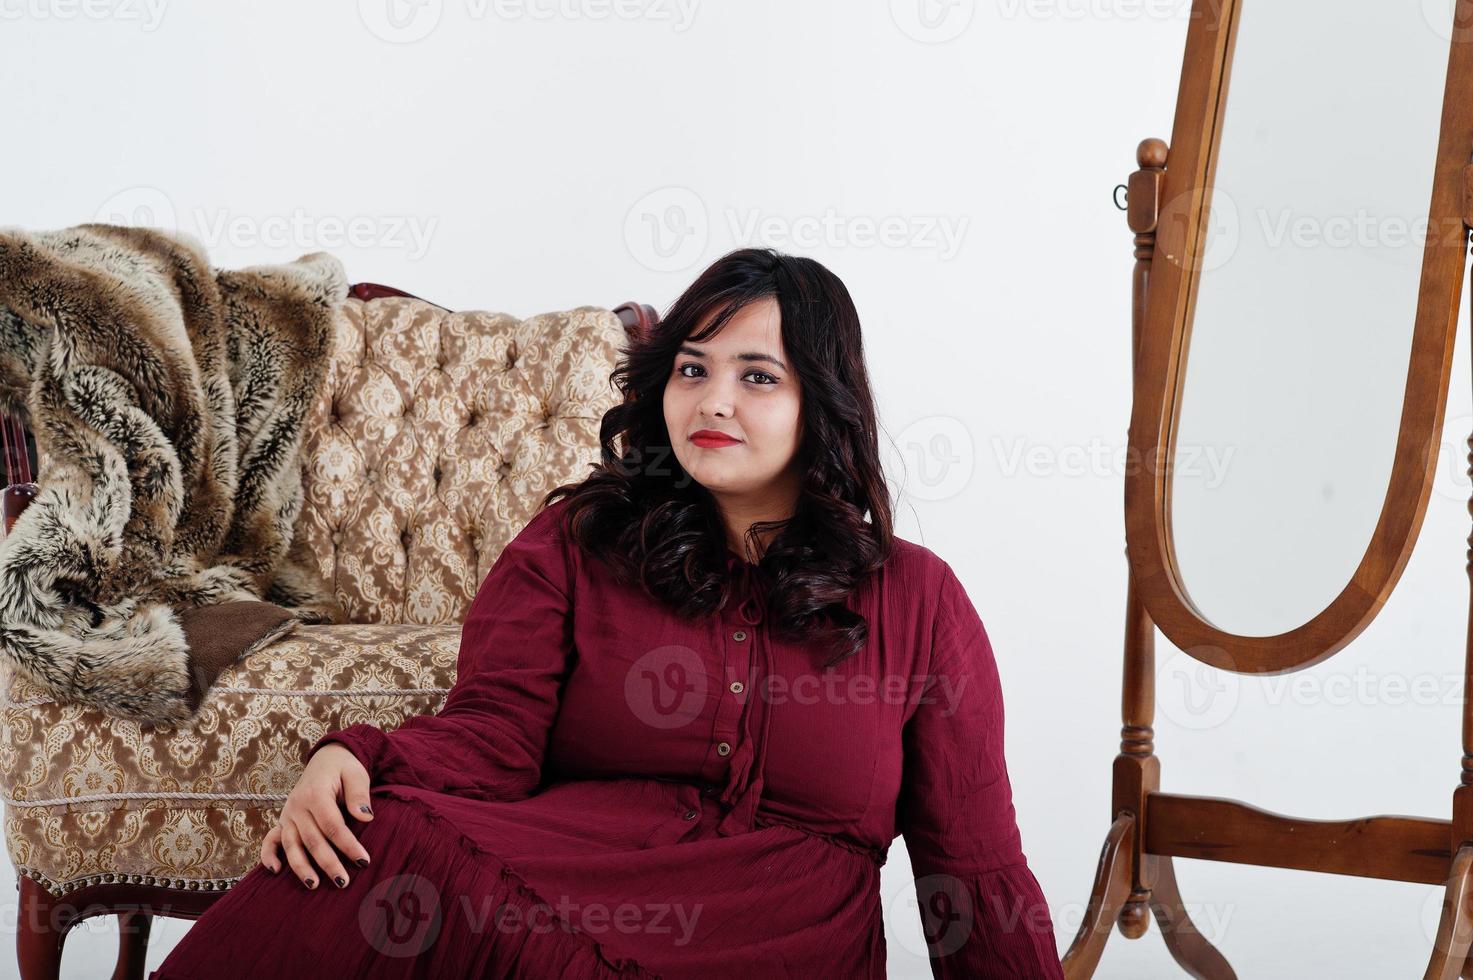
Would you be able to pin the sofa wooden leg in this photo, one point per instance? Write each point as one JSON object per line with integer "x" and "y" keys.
{"x": 133, "y": 930}
{"x": 39, "y": 934}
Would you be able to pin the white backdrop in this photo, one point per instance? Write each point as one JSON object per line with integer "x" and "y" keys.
{"x": 953, "y": 163}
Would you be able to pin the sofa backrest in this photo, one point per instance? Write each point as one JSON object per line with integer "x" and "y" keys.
{"x": 436, "y": 435}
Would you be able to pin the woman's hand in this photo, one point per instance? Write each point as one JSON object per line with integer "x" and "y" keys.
{"x": 311, "y": 821}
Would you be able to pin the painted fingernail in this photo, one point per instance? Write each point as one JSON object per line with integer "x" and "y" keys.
{"x": 311, "y": 882}
{"x": 362, "y": 862}
{"x": 364, "y": 808}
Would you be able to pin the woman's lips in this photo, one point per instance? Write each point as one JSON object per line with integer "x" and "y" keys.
{"x": 708, "y": 441}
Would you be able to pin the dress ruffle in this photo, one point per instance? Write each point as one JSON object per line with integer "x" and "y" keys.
{"x": 432, "y": 903}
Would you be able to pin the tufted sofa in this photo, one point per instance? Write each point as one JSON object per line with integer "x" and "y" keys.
{"x": 435, "y": 437}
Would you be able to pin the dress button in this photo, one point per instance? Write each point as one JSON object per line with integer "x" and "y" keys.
{"x": 723, "y": 748}
{"x": 737, "y": 687}
{"x": 739, "y": 635}
{"x": 690, "y": 814}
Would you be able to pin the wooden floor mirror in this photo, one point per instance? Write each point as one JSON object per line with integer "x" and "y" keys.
{"x": 1320, "y": 205}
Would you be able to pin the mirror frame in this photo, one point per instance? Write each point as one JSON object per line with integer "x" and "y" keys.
{"x": 1160, "y": 368}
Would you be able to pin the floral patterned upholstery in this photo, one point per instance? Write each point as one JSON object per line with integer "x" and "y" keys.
{"x": 436, "y": 435}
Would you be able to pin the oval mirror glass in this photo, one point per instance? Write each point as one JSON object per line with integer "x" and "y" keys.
{"x": 1299, "y": 341}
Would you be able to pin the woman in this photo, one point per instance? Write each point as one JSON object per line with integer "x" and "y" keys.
{"x": 697, "y": 698}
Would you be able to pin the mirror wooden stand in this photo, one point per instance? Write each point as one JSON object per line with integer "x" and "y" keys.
{"x": 1168, "y": 209}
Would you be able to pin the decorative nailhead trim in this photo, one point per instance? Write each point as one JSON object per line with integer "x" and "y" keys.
{"x": 318, "y": 691}
{"x": 60, "y": 889}
{"x": 63, "y": 800}
{"x": 301, "y": 692}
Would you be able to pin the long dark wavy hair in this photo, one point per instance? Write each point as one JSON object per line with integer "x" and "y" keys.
{"x": 642, "y": 513}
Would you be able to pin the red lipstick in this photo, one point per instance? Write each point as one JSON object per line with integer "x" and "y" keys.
{"x": 711, "y": 439}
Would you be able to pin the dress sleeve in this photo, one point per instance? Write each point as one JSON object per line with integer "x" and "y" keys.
{"x": 982, "y": 911}
{"x": 489, "y": 739}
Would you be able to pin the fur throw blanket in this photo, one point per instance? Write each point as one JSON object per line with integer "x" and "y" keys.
{"x": 168, "y": 400}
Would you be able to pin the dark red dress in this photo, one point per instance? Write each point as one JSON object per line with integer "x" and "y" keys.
{"x": 610, "y": 791}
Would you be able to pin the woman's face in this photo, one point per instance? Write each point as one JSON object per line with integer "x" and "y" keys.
{"x": 738, "y": 383}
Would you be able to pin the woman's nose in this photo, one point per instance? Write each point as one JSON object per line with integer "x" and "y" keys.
{"x": 716, "y": 408}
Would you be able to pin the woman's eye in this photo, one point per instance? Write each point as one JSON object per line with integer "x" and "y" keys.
{"x": 763, "y": 377}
